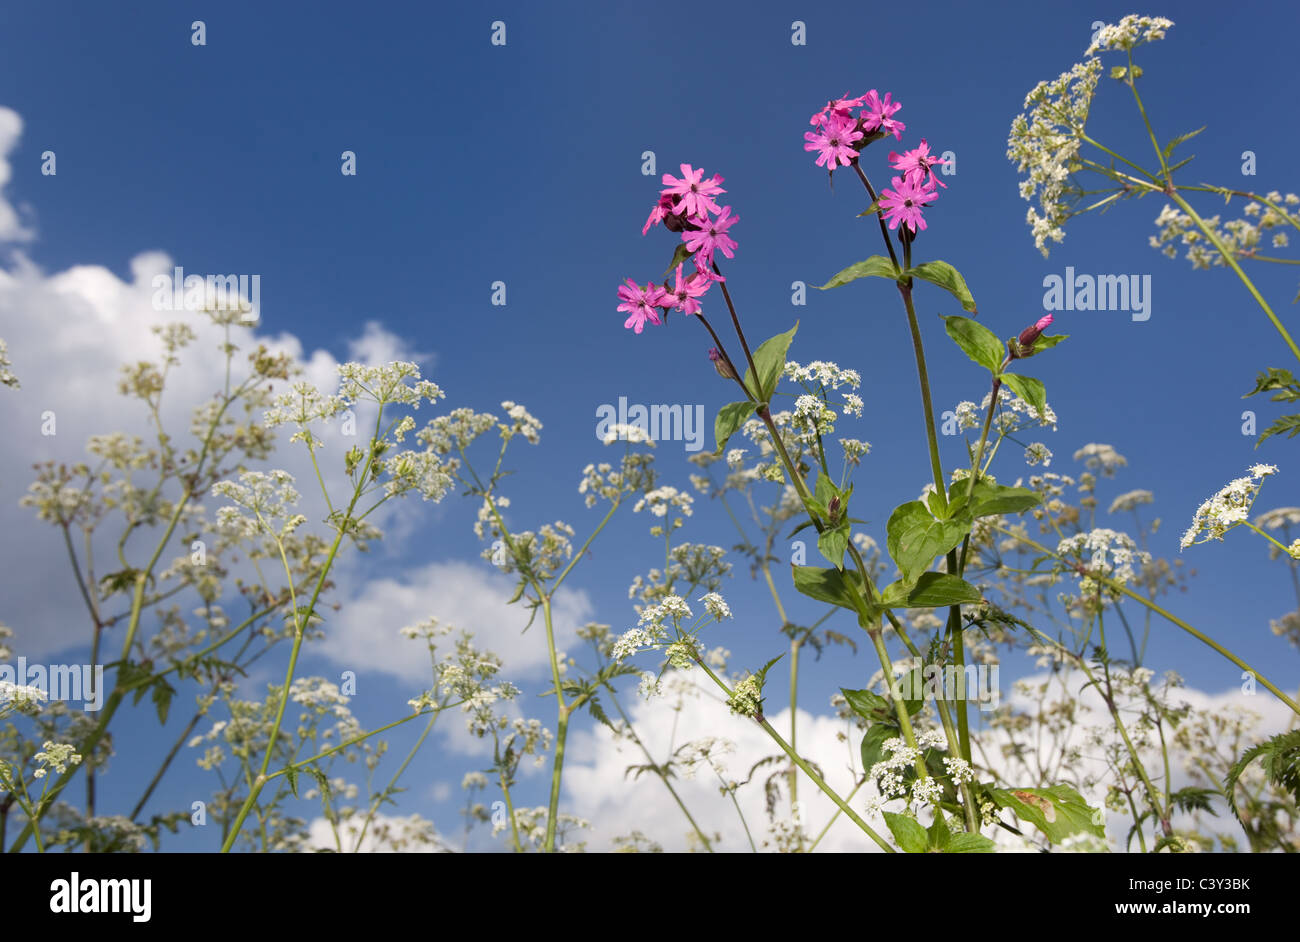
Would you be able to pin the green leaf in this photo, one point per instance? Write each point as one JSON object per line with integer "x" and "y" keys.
{"x": 871, "y": 211}
{"x": 1169, "y": 148}
{"x": 871, "y": 706}
{"x": 915, "y": 537}
{"x": 969, "y": 844}
{"x": 1288, "y": 423}
{"x": 730, "y": 418}
{"x": 909, "y": 834}
{"x": 875, "y": 267}
{"x": 291, "y": 775}
{"x": 680, "y": 254}
{"x": 827, "y": 585}
{"x": 1275, "y": 380}
{"x": 1058, "y": 811}
{"x": 873, "y": 744}
{"x": 1046, "y": 342}
{"x": 162, "y": 698}
{"x": 940, "y": 833}
{"x": 979, "y": 343}
{"x": 833, "y": 543}
{"x": 1281, "y": 756}
{"x": 1029, "y": 389}
{"x": 770, "y": 360}
{"x": 947, "y": 278}
{"x": 992, "y": 499}
{"x": 931, "y": 590}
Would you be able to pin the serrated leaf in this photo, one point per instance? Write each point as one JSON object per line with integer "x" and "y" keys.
{"x": 977, "y": 341}
{"x": 1029, "y": 389}
{"x": 730, "y": 418}
{"x": 969, "y": 844}
{"x": 1058, "y": 811}
{"x": 1281, "y": 761}
{"x": 291, "y": 775}
{"x": 1288, "y": 423}
{"x": 909, "y": 834}
{"x": 162, "y": 699}
{"x": 914, "y": 537}
{"x": 877, "y": 266}
{"x": 948, "y": 278}
{"x": 770, "y": 360}
{"x": 1169, "y": 148}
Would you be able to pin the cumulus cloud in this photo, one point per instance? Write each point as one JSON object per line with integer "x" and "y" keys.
{"x": 11, "y": 129}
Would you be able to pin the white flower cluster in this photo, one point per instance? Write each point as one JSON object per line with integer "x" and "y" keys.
{"x": 693, "y": 755}
{"x": 650, "y": 629}
{"x": 1037, "y": 453}
{"x": 633, "y": 434}
{"x": 522, "y": 423}
{"x": 1229, "y": 507}
{"x": 56, "y": 756}
{"x": 822, "y": 373}
{"x": 262, "y": 499}
{"x": 662, "y": 498}
{"x": 7, "y": 377}
{"x": 386, "y": 384}
{"x": 1129, "y": 32}
{"x": 1241, "y": 237}
{"x": 302, "y": 405}
{"x": 811, "y": 413}
{"x": 454, "y": 431}
{"x": 747, "y": 697}
{"x": 603, "y": 481}
{"x": 1110, "y": 555}
{"x": 1044, "y": 144}
{"x": 1103, "y": 458}
{"x": 1131, "y": 500}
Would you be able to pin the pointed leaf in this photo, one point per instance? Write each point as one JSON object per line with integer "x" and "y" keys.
{"x": 730, "y": 418}
{"x": 948, "y": 278}
{"x": 979, "y": 343}
{"x": 875, "y": 267}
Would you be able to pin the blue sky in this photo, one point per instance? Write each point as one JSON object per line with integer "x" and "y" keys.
{"x": 522, "y": 164}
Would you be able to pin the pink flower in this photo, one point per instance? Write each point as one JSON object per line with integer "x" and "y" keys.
{"x": 712, "y": 235}
{"x": 696, "y": 195}
{"x": 916, "y": 164}
{"x": 834, "y": 141}
{"x": 841, "y": 107}
{"x": 662, "y": 209}
{"x": 682, "y": 296}
{"x": 904, "y": 202}
{"x": 640, "y": 304}
{"x": 876, "y": 115}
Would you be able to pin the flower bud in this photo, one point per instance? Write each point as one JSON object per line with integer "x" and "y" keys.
{"x": 1030, "y": 335}
{"x": 722, "y": 364}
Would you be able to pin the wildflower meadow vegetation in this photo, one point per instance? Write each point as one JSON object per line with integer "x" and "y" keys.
{"x": 198, "y": 560}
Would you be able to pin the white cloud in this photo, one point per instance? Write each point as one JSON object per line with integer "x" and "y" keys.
{"x": 11, "y": 128}
{"x": 470, "y": 596}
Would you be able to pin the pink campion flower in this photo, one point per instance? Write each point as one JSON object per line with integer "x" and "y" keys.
{"x": 640, "y": 304}
{"x": 904, "y": 202}
{"x": 681, "y": 297}
{"x": 662, "y": 209}
{"x": 712, "y": 235}
{"x": 1030, "y": 335}
{"x": 834, "y": 141}
{"x": 696, "y": 194}
{"x": 916, "y": 164}
{"x": 877, "y": 114}
{"x": 841, "y": 106}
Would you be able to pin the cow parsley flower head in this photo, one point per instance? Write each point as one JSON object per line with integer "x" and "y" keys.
{"x": 1227, "y": 508}
{"x": 1128, "y": 33}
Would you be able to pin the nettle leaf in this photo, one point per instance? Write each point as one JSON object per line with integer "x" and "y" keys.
{"x": 770, "y": 360}
{"x": 1029, "y": 389}
{"x": 1058, "y": 811}
{"x": 969, "y": 844}
{"x": 909, "y": 834}
{"x": 930, "y": 590}
{"x": 730, "y": 418}
{"x": 915, "y": 537}
{"x": 875, "y": 267}
{"x": 978, "y": 342}
{"x": 949, "y": 279}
